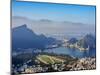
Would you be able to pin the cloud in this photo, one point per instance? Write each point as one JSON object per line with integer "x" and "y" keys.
{"x": 45, "y": 26}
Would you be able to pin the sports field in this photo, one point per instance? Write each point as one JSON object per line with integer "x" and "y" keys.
{"x": 47, "y": 59}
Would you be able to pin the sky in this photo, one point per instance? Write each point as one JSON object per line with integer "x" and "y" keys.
{"x": 55, "y": 12}
{"x": 56, "y": 20}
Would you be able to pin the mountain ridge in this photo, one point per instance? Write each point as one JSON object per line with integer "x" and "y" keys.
{"x": 23, "y": 37}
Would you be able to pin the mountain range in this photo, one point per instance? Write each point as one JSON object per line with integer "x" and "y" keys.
{"x": 87, "y": 41}
{"x": 23, "y": 37}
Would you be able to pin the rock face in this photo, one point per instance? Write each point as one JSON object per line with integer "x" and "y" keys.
{"x": 88, "y": 41}
{"x": 23, "y": 37}
{"x": 72, "y": 41}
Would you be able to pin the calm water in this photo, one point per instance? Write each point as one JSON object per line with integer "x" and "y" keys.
{"x": 72, "y": 52}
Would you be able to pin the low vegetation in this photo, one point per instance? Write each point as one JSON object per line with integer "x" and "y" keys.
{"x": 47, "y": 59}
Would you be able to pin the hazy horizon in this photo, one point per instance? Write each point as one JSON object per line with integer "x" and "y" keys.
{"x": 54, "y": 19}
{"x": 57, "y": 12}
{"x": 54, "y": 28}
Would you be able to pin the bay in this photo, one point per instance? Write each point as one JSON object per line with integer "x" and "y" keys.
{"x": 72, "y": 52}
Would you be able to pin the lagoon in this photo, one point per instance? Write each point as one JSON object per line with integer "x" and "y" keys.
{"x": 72, "y": 52}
